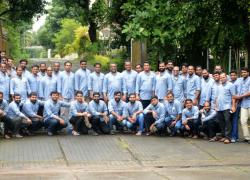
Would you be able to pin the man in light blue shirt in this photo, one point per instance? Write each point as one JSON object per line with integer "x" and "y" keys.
{"x": 56, "y": 69}
{"x": 66, "y": 87}
{"x": 8, "y": 126}
{"x": 20, "y": 85}
{"x": 112, "y": 82}
{"x": 173, "y": 110}
{"x": 4, "y": 81}
{"x": 81, "y": 78}
{"x": 42, "y": 69}
{"x": 99, "y": 115}
{"x": 47, "y": 85}
{"x": 179, "y": 85}
{"x": 23, "y": 64}
{"x": 209, "y": 125}
{"x": 129, "y": 80}
{"x": 118, "y": 112}
{"x": 30, "y": 109}
{"x": 34, "y": 79}
{"x": 213, "y": 91}
{"x": 206, "y": 82}
{"x": 226, "y": 103}
{"x": 79, "y": 116}
{"x": 95, "y": 81}
{"x": 154, "y": 116}
{"x": 135, "y": 114}
{"x": 244, "y": 97}
{"x": 145, "y": 83}
{"x": 163, "y": 83}
{"x": 190, "y": 118}
{"x": 52, "y": 119}
{"x": 193, "y": 86}
{"x": 18, "y": 119}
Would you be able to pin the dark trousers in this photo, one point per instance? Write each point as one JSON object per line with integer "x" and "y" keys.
{"x": 145, "y": 103}
{"x": 235, "y": 119}
{"x": 209, "y": 128}
{"x": 100, "y": 126}
{"x": 36, "y": 124}
{"x": 148, "y": 121}
{"x": 194, "y": 126}
{"x": 224, "y": 118}
{"x": 79, "y": 124}
{"x": 8, "y": 125}
{"x": 17, "y": 125}
{"x": 54, "y": 125}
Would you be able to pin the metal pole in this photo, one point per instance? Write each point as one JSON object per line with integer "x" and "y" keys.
{"x": 207, "y": 59}
{"x": 230, "y": 59}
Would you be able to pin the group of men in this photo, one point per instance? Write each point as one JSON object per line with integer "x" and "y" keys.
{"x": 188, "y": 102}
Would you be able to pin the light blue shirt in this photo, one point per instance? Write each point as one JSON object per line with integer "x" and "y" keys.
{"x": 159, "y": 110}
{"x": 212, "y": 93}
{"x": 65, "y": 85}
{"x": 112, "y": 82}
{"x": 46, "y": 86}
{"x": 129, "y": 81}
{"x": 119, "y": 108}
{"x": 81, "y": 80}
{"x": 30, "y": 109}
{"x": 96, "y": 108}
{"x": 193, "y": 85}
{"x": 5, "y": 85}
{"x": 77, "y": 107}
{"x": 173, "y": 109}
{"x": 179, "y": 87}
{"x": 208, "y": 115}
{"x": 34, "y": 82}
{"x": 41, "y": 74}
{"x": 145, "y": 83}
{"x": 134, "y": 107}
{"x": 4, "y": 106}
{"x": 225, "y": 93}
{"x": 52, "y": 109}
{"x": 245, "y": 88}
{"x": 163, "y": 84}
{"x": 20, "y": 85}
{"x": 204, "y": 89}
{"x": 192, "y": 113}
{"x": 95, "y": 82}
{"x": 14, "y": 111}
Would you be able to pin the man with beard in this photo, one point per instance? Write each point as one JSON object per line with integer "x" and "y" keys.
{"x": 179, "y": 85}
{"x": 42, "y": 69}
{"x": 23, "y": 64}
{"x": 163, "y": 83}
{"x": 4, "y": 81}
{"x": 213, "y": 90}
{"x": 56, "y": 69}
{"x": 198, "y": 71}
{"x": 145, "y": 83}
{"x": 206, "y": 82}
{"x": 135, "y": 114}
{"x": 47, "y": 84}
{"x": 99, "y": 115}
{"x": 138, "y": 68}
{"x": 173, "y": 109}
{"x": 112, "y": 83}
{"x": 193, "y": 86}
{"x": 154, "y": 117}
{"x": 184, "y": 70}
{"x": 30, "y": 109}
{"x": 52, "y": 120}
{"x": 118, "y": 111}
{"x": 129, "y": 79}
{"x": 169, "y": 67}
{"x": 95, "y": 81}
{"x": 18, "y": 119}
{"x": 20, "y": 85}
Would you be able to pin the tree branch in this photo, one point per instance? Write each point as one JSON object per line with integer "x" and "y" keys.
{"x": 4, "y": 12}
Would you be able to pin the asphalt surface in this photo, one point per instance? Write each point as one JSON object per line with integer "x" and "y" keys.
{"x": 122, "y": 157}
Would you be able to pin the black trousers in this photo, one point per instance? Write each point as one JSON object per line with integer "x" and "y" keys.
{"x": 36, "y": 124}
{"x": 194, "y": 126}
{"x": 100, "y": 126}
{"x": 8, "y": 125}
{"x": 79, "y": 125}
{"x": 224, "y": 118}
{"x": 148, "y": 121}
{"x": 145, "y": 103}
{"x": 210, "y": 128}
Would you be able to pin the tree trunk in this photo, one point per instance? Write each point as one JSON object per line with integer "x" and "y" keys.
{"x": 92, "y": 31}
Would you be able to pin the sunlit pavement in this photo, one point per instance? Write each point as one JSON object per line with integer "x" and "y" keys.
{"x": 122, "y": 157}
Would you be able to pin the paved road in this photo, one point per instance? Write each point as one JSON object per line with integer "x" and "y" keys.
{"x": 122, "y": 157}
